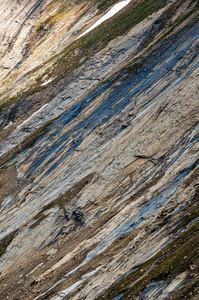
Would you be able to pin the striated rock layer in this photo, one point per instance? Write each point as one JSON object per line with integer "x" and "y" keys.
{"x": 99, "y": 150}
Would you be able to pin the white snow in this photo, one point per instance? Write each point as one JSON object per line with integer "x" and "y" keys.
{"x": 35, "y": 113}
{"x": 46, "y": 82}
{"x": 117, "y": 7}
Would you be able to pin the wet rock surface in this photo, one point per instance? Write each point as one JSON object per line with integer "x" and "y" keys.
{"x": 102, "y": 203}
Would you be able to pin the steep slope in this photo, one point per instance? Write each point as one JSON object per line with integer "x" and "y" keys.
{"x": 99, "y": 151}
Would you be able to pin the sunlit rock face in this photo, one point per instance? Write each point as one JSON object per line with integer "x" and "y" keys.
{"x": 18, "y": 19}
{"x": 99, "y": 150}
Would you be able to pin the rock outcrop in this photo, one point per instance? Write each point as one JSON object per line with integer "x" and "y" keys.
{"x": 99, "y": 150}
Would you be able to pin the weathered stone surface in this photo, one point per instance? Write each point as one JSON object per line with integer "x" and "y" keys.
{"x": 112, "y": 179}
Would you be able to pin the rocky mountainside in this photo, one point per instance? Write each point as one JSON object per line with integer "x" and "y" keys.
{"x": 99, "y": 136}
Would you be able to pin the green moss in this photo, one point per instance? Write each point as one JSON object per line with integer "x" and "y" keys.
{"x": 180, "y": 256}
{"x": 22, "y": 95}
{"x": 49, "y": 22}
{"x": 8, "y": 102}
{"x": 141, "y": 61}
{"x": 176, "y": 24}
{"x": 104, "y": 4}
{"x": 68, "y": 60}
{"x": 64, "y": 199}
{"x": 167, "y": 264}
{"x": 98, "y": 38}
{"x": 5, "y": 242}
{"x": 93, "y": 42}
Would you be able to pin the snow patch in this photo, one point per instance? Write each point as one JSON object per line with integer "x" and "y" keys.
{"x": 32, "y": 116}
{"x": 48, "y": 81}
{"x": 115, "y": 9}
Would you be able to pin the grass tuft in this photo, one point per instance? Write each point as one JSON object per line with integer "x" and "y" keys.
{"x": 174, "y": 259}
{"x": 5, "y": 242}
{"x": 68, "y": 60}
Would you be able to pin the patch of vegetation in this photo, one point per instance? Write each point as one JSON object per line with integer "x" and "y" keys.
{"x": 68, "y": 60}
{"x": 176, "y": 24}
{"x": 5, "y": 242}
{"x": 98, "y": 38}
{"x": 94, "y": 41}
{"x": 22, "y": 95}
{"x": 142, "y": 61}
{"x": 63, "y": 6}
{"x": 26, "y": 143}
{"x": 62, "y": 200}
{"x": 9, "y": 102}
{"x": 104, "y": 4}
{"x": 47, "y": 23}
{"x": 174, "y": 259}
